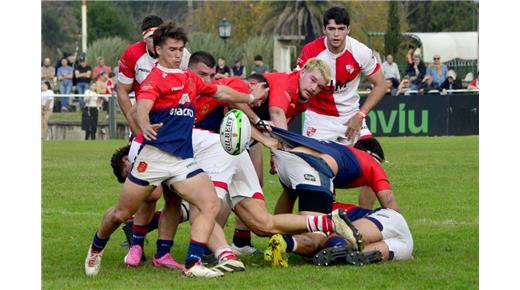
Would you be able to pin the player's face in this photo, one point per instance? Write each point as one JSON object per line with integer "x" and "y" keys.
{"x": 149, "y": 43}
{"x": 170, "y": 53}
{"x": 252, "y": 85}
{"x": 205, "y": 72}
{"x": 310, "y": 84}
{"x": 127, "y": 167}
{"x": 336, "y": 34}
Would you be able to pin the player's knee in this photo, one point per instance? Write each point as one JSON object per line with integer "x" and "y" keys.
{"x": 120, "y": 216}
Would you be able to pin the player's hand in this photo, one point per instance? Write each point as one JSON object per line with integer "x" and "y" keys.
{"x": 150, "y": 131}
{"x": 272, "y": 170}
{"x": 353, "y": 128}
{"x": 271, "y": 143}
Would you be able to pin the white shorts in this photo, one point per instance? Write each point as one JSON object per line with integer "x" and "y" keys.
{"x": 235, "y": 174}
{"x": 395, "y": 231}
{"x": 296, "y": 173}
{"x": 152, "y": 166}
{"x": 323, "y": 127}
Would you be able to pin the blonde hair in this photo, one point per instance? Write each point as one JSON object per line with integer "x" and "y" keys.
{"x": 323, "y": 67}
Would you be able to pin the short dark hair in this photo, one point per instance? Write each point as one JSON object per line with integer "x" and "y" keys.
{"x": 151, "y": 21}
{"x": 202, "y": 56}
{"x": 339, "y": 14}
{"x": 258, "y": 57}
{"x": 372, "y": 147}
{"x": 48, "y": 84}
{"x": 168, "y": 30}
{"x": 259, "y": 78}
{"x": 117, "y": 162}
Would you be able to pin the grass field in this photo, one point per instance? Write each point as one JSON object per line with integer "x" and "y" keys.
{"x": 435, "y": 180}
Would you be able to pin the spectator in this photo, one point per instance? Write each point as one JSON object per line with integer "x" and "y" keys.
{"x": 474, "y": 84}
{"x": 404, "y": 86}
{"x": 83, "y": 75}
{"x": 64, "y": 74}
{"x": 259, "y": 67}
{"x": 436, "y": 73}
{"x": 100, "y": 67}
{"x": 101, "y": 88}
{"x": 409, "y": 56}
{"x": 391, "y": 71}
{"x": 89, "y": 115}
{"x": 47, "y": 104}
{"x": 451, "y": 83}
{"x": 223, "y": 70}
{"x": 416, "y": 72}
{"x": 238, "y": 70}
{"x": 48, "y": 72}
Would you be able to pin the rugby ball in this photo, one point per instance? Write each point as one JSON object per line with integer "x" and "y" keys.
{"x": 235, "y": 132}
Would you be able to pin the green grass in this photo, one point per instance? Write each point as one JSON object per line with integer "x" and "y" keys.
{"x": 76, "y": 116}
{"x": 435, "y": 180}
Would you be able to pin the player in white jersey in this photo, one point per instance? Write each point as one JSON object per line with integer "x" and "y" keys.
{"x": 335, "y": 114}
{"x": 135, "y": 65}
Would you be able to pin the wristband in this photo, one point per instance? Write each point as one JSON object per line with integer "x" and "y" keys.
{"x": 361, "y": 115}
{"x": 251, "y": 98}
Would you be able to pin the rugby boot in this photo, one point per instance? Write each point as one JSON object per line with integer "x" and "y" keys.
{"x": 344, "y": 227}
{"x": 276, "y": 252}
{"x": 343, "y": 255}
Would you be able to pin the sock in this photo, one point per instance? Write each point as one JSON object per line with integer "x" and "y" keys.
{"x": 291, "y": 243}
{"x": 195, "y": 252}
{"x": 335, "y": 241}
{"x": 163, "y": 248}
{"x": 225, "y": 253}
{"x": 98, "y": 244}
{"x": 242, "y": 238}
{"x": 207, "y": 252}
{"x": 320, "y": 224}
{"x": 154, "y": 223}
{"x": 138, "y": 234}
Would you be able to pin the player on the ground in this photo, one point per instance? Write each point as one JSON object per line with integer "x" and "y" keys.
{"x": 165, "y": 114}
{"x": 135, "y": 65}
{"x": 335, "y": 113}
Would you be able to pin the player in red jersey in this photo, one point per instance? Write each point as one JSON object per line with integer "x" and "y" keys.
{"x": 165, "y": 114}
{"x": 135, "y": 65}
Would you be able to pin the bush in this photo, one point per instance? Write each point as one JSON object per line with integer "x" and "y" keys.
{"x": 111, "y": 49}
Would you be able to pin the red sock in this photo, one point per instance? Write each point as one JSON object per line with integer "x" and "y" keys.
{"x": 320, "y": 224}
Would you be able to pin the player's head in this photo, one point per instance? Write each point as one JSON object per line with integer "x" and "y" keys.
{"x": 336, "y": 24}
{"x": 148, "y": 26}
{"x": 169, "y": 42}
{"x": 255, "y": 80}
{"x": 372, "y": 147}
{"x": 314, "y": 76}
{"x": 120, "y": 163}
{"x": 203, "y": 64}
{"x": 46, "y": 85}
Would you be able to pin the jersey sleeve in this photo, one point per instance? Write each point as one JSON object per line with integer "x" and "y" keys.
{"x": 278, "y": 95}
{"x": 126, "y": 66}
{"x": 367, "y": 60}
{"x": 304, "y": 56}
{"x": 149, "y": 89}
{"x": 378, "y": 180}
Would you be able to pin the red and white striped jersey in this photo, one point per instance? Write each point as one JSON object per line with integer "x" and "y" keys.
{"x": 340, "y": 98}
{"x": 136, "y": 63}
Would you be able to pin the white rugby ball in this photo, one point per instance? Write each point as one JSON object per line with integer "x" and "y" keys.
{"x": 235, "y": 132}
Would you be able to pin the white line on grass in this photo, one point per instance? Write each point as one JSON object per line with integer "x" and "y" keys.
{"x": 51, "y": 211}
{"x": 449, "y": 222}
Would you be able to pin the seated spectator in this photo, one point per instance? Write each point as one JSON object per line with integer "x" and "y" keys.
{"x": 100, "y": 67}
{"x": 238, "y": 70}
{"x": 416, "y": 72}
{"x": 89, "y": 115}
{"x": 409, "y": 56}
{"x": 259, "y": 67}
{"x": 451, "y": 83}
{"x": 391, "y": 71}
{"x": 223, "y": 70}
{"x": 48, "y": 72}
{"x": 474, "y": 84}
{"x": 83, "y": 75}
{"x": 403, "y": 87}
{"x": 47, "y": 104}
{"x": 436, "y": 73}
{"x": 65, "y": 73}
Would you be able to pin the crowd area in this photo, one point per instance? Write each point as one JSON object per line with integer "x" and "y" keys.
{"x": 182, "y": 98}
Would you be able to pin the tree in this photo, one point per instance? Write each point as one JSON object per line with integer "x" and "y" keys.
{"x": 104, "y": 20}
{"x": 443, "y": 16}
{"x": 393, "y": 33}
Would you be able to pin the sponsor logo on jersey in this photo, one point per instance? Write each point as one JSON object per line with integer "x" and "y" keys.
{"x": 349, "y": 68}
{"x": 182, "y": 112}
{"x": 185, "y": 98}
{"x": 178, "y": 88}
{"x": 142, "y": 166}
{"x": 309, "y": 177}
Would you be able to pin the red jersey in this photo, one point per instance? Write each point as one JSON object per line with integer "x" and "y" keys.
{"x": 283, "y": 93}
{"x": 372, "y": 173}
{"x": 174, "y": 93}
{"x": 209, "y": 111}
